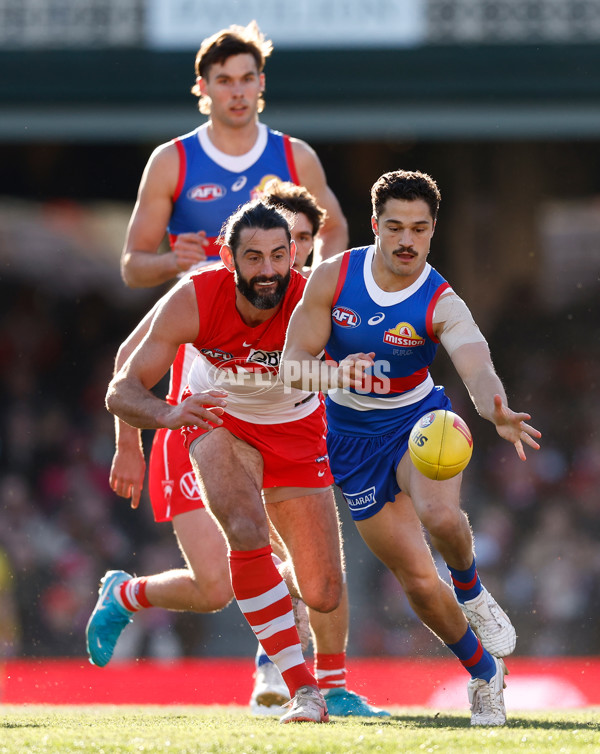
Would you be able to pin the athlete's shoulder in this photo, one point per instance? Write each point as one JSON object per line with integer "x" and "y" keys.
{"x": 359, "y": 251}
{"x": 273, "y": 132}
{"x": 435, "y": 277}
{"x": 189, "y": 136}
{"x": 296, "y": 286}
{"x": 324, "y": 279}
{"x": 213, "y": 273}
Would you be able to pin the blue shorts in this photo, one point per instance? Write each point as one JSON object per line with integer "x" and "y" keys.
{"x": 364, "y": 468}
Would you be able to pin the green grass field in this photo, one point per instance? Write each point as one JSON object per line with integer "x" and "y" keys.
{"x": 111, "y": 729}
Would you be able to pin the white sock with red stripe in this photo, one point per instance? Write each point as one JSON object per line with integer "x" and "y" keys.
{"x": 131, "y": 594}
{"x": 265, "y": 601}
{"x": 330, "y": 671}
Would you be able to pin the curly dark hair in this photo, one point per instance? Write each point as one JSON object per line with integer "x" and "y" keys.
{"x": 407, "y": 185}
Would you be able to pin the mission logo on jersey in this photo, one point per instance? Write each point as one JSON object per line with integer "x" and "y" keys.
{"x": 404, "y": 334}
{"x": 258, "y": 191}
{"x": 345, "y": 317}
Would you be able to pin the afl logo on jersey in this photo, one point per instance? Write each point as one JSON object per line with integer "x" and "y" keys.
{"x": 206, "y": 192}
{"x": 345, "y": 317}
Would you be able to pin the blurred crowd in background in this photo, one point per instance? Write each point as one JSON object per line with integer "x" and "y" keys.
{"x": 61, "y": 527}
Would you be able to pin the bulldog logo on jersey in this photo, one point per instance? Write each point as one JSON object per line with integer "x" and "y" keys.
{"x": 345, "y": 317}
{"x": 206, "y": 192}
{"x": 404, "y": 334}
{"x": 259, "y": 190}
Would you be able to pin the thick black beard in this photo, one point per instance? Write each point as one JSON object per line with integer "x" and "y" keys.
{"x": 255, "y": 297}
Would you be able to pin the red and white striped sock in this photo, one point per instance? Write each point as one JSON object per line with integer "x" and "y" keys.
{"x": 330, "y": 671}
{"x": 265, "y": 601}
{"x": 132, "y": 594}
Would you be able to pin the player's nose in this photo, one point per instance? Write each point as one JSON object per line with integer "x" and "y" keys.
{"x": 406, "y": 238}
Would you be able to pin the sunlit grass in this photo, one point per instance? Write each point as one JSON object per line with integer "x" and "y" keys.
{"x": 110, "y": 729}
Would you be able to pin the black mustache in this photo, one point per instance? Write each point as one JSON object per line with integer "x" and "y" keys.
{"x": 265, "y": 279}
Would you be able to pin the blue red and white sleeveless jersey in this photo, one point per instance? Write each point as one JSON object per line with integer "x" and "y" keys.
{"x": 212, "y": 184}
{"x": 398, "y": 327}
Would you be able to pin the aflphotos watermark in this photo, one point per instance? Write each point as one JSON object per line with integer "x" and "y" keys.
{"x": 252, "y": 377}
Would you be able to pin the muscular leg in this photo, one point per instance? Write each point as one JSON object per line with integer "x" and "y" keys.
{"x": 230, "y": 473}
{"x": 309, "y": 528}
{"x": 438, "y": 506}
{"x": 395, "y": 536}
{"x": 205, "y": 585}
{"x": 330, "y": 630}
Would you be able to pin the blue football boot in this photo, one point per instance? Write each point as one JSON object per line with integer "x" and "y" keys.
{"x": 344, "y": 703}
{"x": 107, "y": 621}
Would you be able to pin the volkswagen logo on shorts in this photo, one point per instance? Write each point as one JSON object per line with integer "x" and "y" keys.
{"x": 189, "y": 486}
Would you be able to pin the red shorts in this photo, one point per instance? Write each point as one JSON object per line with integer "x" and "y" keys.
{"x": 294, "y": 453}
{"x": 171, "y": 480}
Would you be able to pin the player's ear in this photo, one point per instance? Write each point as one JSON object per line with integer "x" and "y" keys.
{"x": 375, "y": 225}
{"x": 292, "y": 253}
{"x": 226, "y": 255}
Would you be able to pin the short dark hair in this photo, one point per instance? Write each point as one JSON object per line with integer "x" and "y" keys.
{"x": 255, "y": 214}
{"x": 407, "y": 185}
{"x": 295, "y": 199}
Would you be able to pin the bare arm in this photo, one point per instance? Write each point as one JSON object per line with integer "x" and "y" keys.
{"x": 308, "y": 333}
{"x": 333, "y": 236}
{"x": 128, "y": 467}
{"x": 474, "y": 365}
{"x": 141, "y": 264}
{"x": 129, "y": 394}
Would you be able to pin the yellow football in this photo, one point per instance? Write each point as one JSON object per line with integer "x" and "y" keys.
{"x": 440, "y": 444}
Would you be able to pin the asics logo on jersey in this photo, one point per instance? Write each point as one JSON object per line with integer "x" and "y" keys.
{"x": 239, "y": 184}
{"x": 376, "y": 318}
{"x": 345, "y": 317}
{"x": 206, "y": 192}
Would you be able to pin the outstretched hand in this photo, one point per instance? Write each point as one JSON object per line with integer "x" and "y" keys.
{"x": 512, "y": 427}
{"x": 203, "y": 410}
{"x": 351, "y": 370}
{"x": 189, "y": 249}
